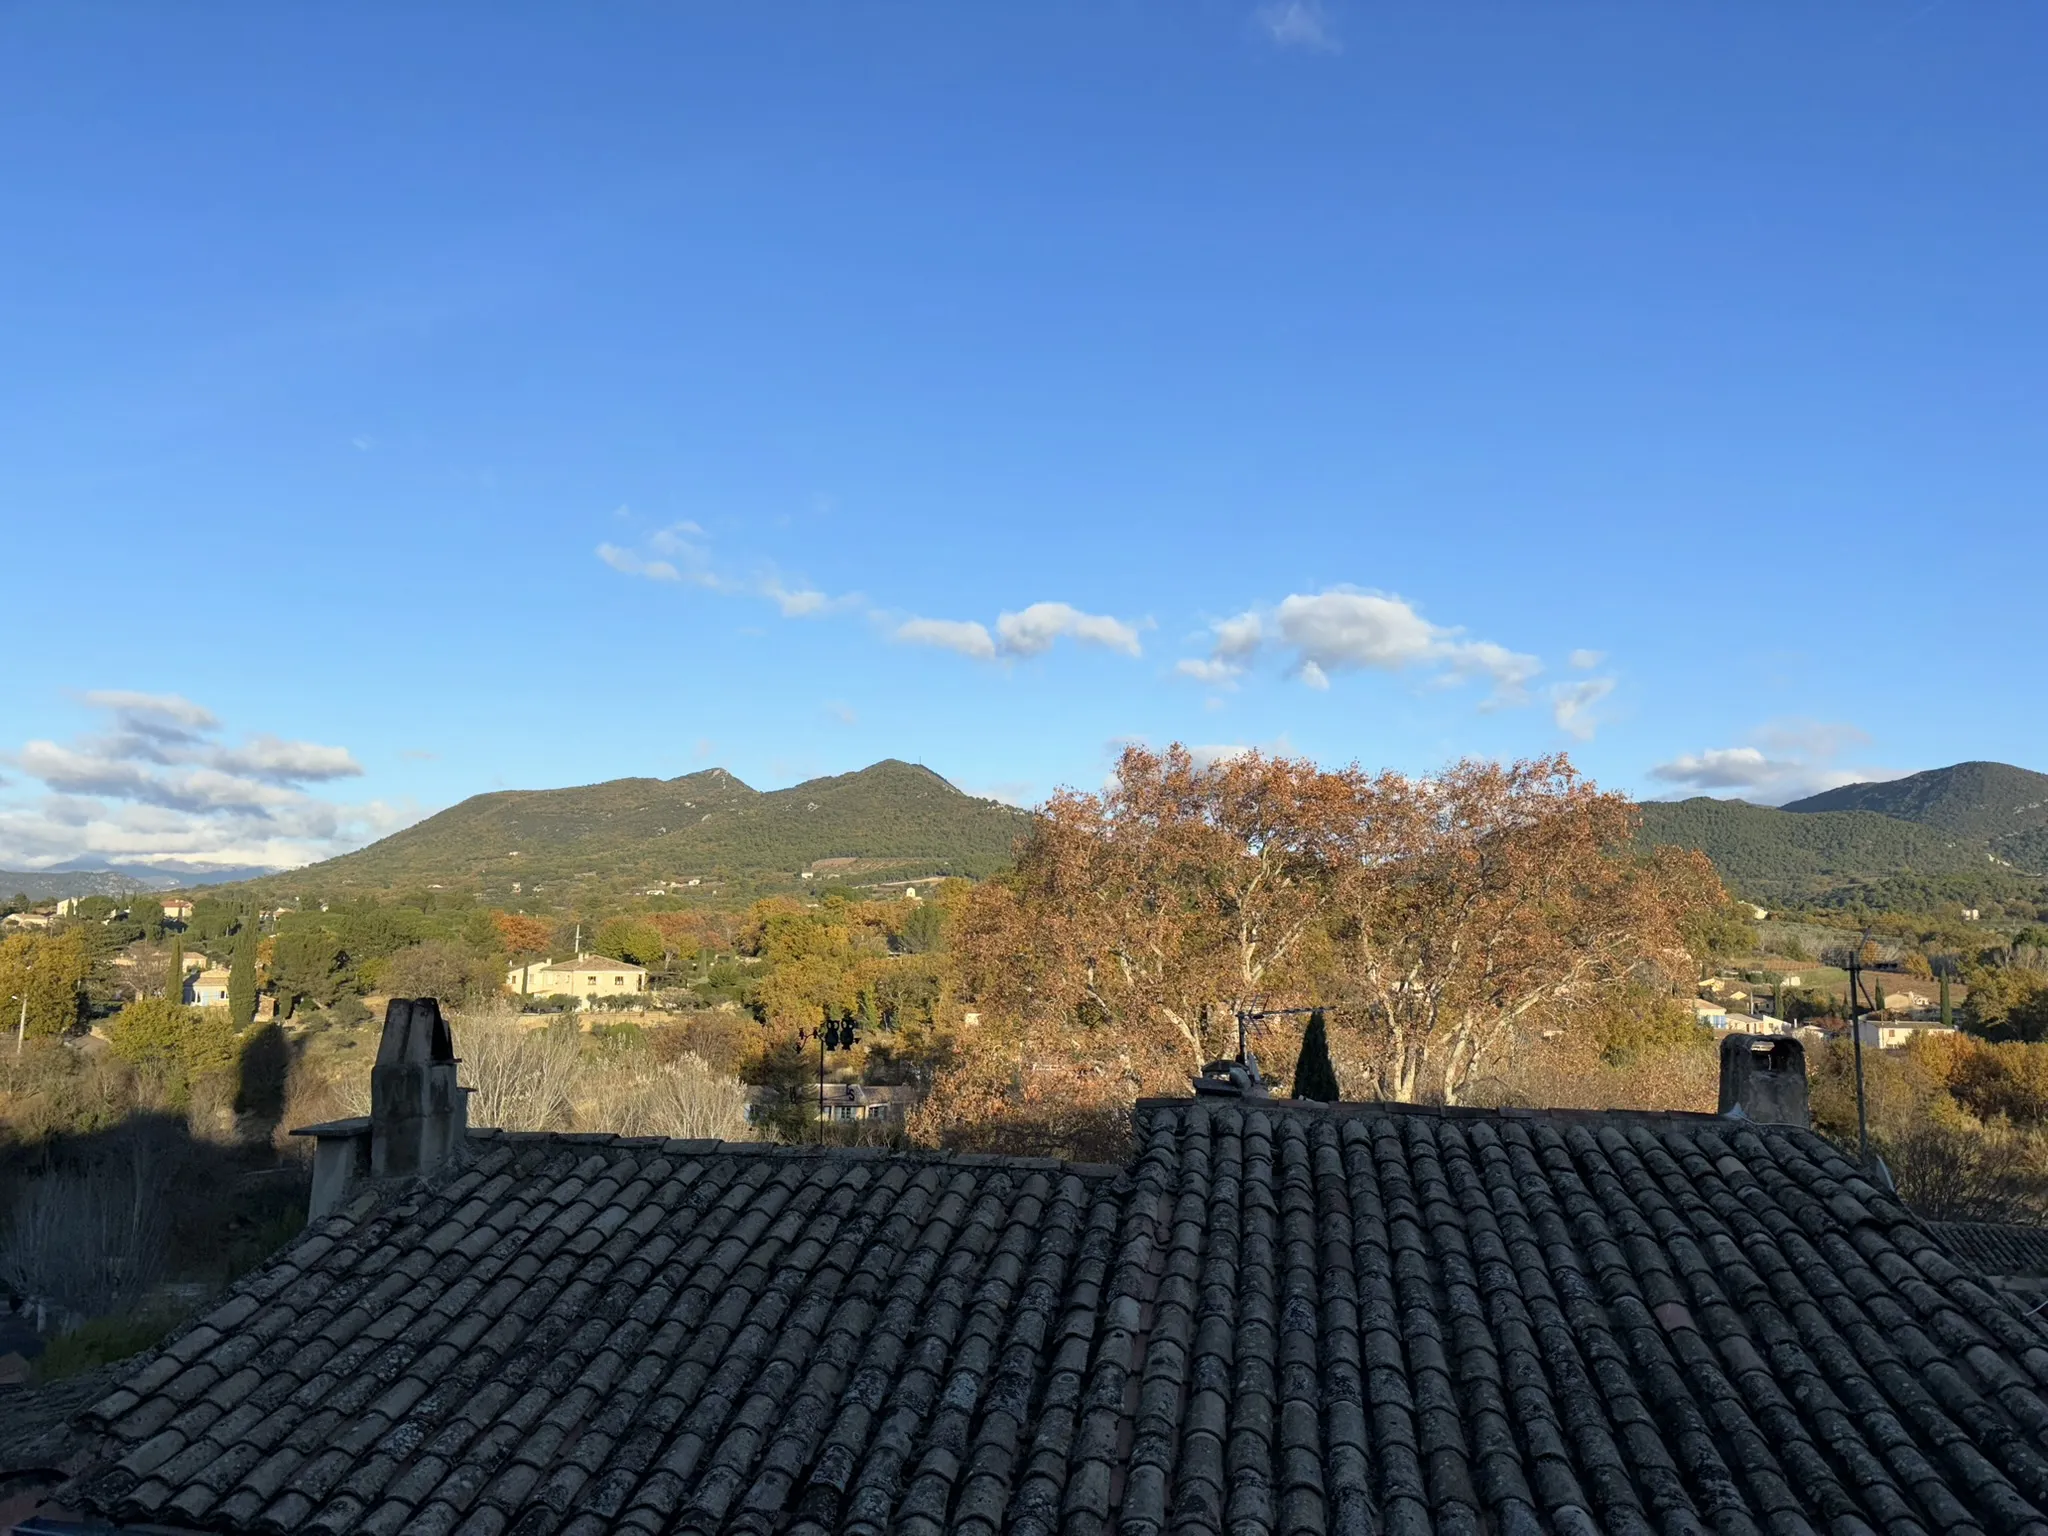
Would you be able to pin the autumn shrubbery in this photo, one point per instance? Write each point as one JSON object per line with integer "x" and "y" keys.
{"x": 1962, "y": 1123}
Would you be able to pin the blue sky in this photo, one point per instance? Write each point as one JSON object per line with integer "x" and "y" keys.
{"x": 403, "y": 402}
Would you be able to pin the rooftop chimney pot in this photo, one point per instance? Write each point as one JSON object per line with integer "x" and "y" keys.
{"x": 1763, "y": 1078}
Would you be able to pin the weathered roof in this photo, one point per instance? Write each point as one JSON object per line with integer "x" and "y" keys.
{"x": 1998, "y": 1248}
{"x": 1277, "y": 1318}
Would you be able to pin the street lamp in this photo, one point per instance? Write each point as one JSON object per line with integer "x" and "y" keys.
{"x": 832, "y": 1035}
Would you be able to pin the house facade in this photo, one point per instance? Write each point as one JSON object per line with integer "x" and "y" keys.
{"x": 587, "y": 978}
{"x": 209, "y": 988}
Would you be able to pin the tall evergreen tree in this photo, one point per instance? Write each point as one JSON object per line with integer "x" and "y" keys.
{"x": 174, "y": 978}
{"x": 1315, "y": 1077}
{"x": 242, "y": 975}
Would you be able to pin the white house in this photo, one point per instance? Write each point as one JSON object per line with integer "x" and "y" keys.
{"x": 209, "y": 988}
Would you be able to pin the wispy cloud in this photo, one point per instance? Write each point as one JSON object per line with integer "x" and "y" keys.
{"x": 1572, "y": 705}
{"x": 843, "y": 713}
{"x": 681, "y": 552}
{"x": 1303, "y": 24}
{"x": 1786, "y": 760}
{"x": 1033, "y": 630}
{"x": 1585, "y": 661}
{"x": 629, "y": 563}
{"x": 157, "y": 786}
{"x": 962, "y": 635}
{"x": 1030, "y": 631}
{"x": 1344, "y": 629}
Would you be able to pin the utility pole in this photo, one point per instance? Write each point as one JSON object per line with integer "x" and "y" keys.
{"x": 1856, "y": 1038}
{"x": 21, "y": 1029}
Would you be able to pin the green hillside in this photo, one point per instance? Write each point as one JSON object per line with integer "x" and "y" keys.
{"x": 1774, "y": 856}
{"x": 1974, "y": 835}
{"x": 892, "y": 819}
{"x": 1995, "y": 804}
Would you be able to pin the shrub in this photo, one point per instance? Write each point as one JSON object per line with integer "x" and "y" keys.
{"x": 90, "y": 1237}
{"x": 105, "y": 1340}
{"x": 636, "y": 1095}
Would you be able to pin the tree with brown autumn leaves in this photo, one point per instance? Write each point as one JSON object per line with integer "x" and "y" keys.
{"x": 1490, "y": 900}
{"x": 1441, "y": 917}
{"x": 1138, "y": 920}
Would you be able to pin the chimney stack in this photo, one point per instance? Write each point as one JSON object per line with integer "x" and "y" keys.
{"x": 1763, "y": 1078}
{"x": 418, "y": 1116}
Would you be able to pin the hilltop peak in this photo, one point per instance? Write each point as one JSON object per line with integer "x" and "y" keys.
{"x": 701, "y": 831}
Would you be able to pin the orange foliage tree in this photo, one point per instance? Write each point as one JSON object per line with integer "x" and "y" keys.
{"x": 1137, "y": 921}
{"x": 1443, "y": 917}
{"x": 1490, "y": 898}
{"x": 523, "y": 935}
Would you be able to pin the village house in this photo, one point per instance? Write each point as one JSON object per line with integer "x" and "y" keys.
{"x": 1276, "y": 1317}
{"x": 841, "y": 1102}
{"x": 587, "y": 978}
{"x": 209, "y": 989}
{"x": 1887, "y": 1033}
{"x": 177, "y": 909}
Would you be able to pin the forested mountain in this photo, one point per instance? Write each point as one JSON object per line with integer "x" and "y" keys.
{"x": 1974, "y": 833}
{"x": 893, "y": 818}
{"x": 2003, "y": 807}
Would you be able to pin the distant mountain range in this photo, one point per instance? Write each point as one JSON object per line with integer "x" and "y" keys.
{"x": 1944, "y": 834}
{"x": 56, "y": 884}
{"x": 891, "y": 820}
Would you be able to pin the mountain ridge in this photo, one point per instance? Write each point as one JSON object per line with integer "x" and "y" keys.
{"x": 891, "y": 817}
{"x": 1943, "y": 835}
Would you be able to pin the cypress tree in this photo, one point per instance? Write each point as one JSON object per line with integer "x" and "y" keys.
{"x": 1314, "y": 1076}
{"x": 174, "y": 979}
{"x": 242, "y": 975}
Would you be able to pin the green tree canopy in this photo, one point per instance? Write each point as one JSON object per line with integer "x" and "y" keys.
{"x": 242, "y": 975}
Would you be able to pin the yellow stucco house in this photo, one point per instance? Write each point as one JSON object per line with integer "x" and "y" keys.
{"x": 586, "y": 978}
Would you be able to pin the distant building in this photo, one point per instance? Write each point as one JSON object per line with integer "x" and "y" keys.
{"x": 210, "y": 988}
{"x": 586, "y": 978}
{"x": 1889, "y": 1034}
{"x": 177, "y": 910}
{"x": 847, "y": 1103}
{"x": 1713, "y": 1015}
{"x": 68, "y": 907}
{"x": 25, "y": 920}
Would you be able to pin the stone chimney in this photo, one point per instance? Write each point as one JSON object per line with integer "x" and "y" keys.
{"x": 418, "y": 1115}
{"x": 1763, "y": 1078}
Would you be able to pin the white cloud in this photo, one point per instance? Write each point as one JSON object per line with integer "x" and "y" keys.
{"x": 1571, "y": 705}
{"x": 800, "y": 604}
{"x": 1586, "y": 661}
{"x": 843, "y": 713}
{"x": 1219, "y": 673}
{"x": 962, "y": 635}
{"x": 1298, "y": 24}
{"x": 1788, "y": 760}
{"x": 155, "y": 788}
{"x": 627, "y": 563}
{"x": 681, "y": 553}
{"x": 291, "y": 762}
{"x": 1347, "y": 630}
{"x": 1033, "y": 630}
{"x": 1030, "y": 631}
{"x": 153, "y": 714}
